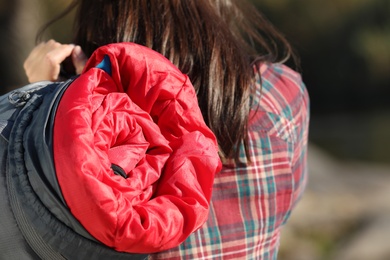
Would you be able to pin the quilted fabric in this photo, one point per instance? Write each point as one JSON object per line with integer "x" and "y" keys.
{"x": 132, "y": 109}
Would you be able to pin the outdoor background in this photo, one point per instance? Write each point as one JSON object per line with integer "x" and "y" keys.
{"x": 344, "y": 47}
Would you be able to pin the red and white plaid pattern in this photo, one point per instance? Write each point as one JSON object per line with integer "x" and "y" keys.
{"x": 250, "y": 203}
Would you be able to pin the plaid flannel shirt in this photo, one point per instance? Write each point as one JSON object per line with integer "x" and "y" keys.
{"x": 250, "y": 203}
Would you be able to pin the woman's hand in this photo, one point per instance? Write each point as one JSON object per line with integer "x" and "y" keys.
{"x": 44, "y": 61}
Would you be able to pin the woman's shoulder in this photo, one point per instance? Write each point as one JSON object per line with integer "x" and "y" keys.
{"x": 280, "y": 102}
{"x": 278, "y": 89}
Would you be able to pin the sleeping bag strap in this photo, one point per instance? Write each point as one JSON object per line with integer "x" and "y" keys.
{"x": 16, "y": 164}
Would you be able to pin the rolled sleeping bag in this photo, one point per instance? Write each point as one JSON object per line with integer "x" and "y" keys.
{"x": 133, "y": 157}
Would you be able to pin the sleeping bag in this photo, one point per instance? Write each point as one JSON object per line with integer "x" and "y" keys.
{"x": 113, "y": 164}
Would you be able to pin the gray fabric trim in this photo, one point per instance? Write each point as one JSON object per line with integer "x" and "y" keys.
{"x": 12, "y": 243}
{"x": 3, "y": 125}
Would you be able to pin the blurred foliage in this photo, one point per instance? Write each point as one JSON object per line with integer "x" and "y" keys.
{"x": 60, "y": 30}
{"x": 344, "y": 46}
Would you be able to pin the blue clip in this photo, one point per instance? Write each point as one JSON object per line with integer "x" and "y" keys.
{"x": 105, "y": 65}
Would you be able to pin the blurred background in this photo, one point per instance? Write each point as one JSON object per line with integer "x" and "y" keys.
{"x": 344, "y": 47}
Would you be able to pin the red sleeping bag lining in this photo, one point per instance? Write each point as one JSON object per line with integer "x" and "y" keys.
{"x": 141, "y": 114}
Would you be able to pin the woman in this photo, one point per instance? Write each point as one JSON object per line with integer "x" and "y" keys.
{"x": 256, "y": 106}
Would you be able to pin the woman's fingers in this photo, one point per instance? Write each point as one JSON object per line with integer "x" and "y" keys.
{"x": 79, "y": 59}
{"x": 45, "y": 59}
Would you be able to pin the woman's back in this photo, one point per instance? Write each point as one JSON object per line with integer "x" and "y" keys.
{"x": 252, "y": 201}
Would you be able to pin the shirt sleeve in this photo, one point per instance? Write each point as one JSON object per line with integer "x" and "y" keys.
{"x": 283, "y": 96}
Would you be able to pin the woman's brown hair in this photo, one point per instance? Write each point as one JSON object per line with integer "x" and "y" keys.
{"x": 215, "y": 42}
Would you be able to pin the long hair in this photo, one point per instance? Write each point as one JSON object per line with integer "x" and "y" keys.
{"x": 215, "y": 42}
